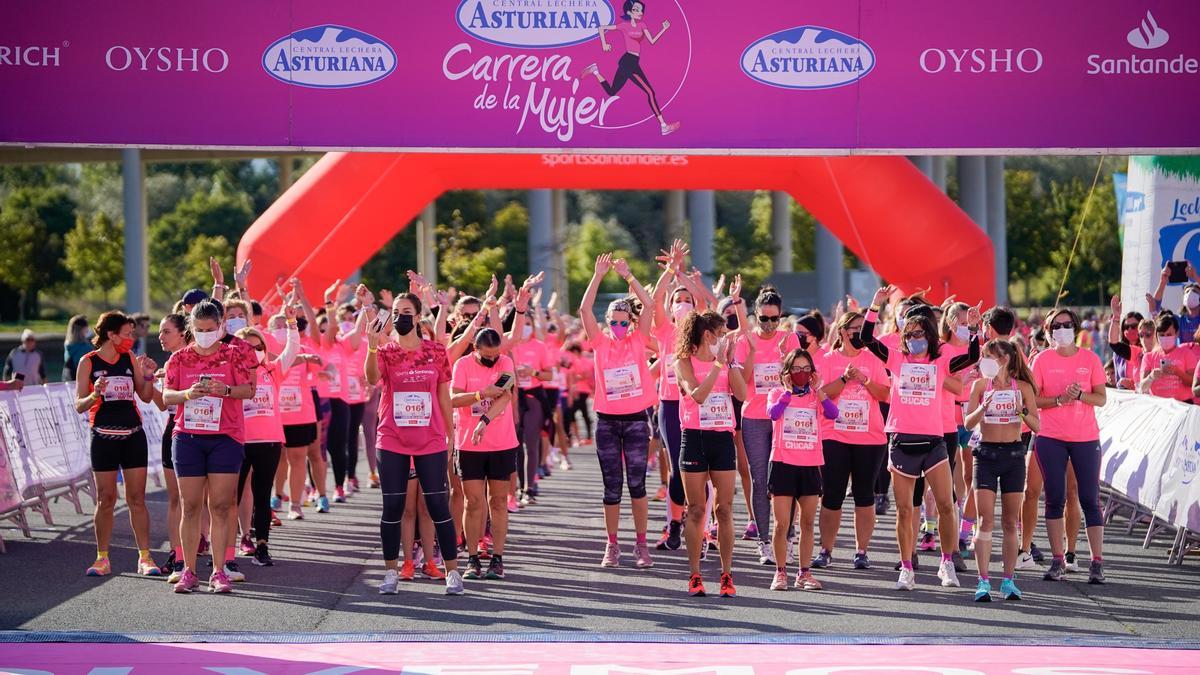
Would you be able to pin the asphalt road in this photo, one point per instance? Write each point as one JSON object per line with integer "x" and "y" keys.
{"x": 329, "y": 565}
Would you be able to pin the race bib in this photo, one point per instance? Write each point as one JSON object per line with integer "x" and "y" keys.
{"x": 354, "y": 387}
{"x": 799, "y": 427}
{"x": 480, "y": 408}
{"x": 202, "y": 414}
{"x": 622, "y": 382}
{"x": 918, "y": 380}
{"x": 119, "y": 388}
{"x": 263, "y": 403}
{"x": 412, "y": 408}
{"x": 526, "y": 381}
{"x": 852, "y": 415}
{"x": 335, "y": 384}
{"x": 289, "y": 399}
{"x": 717, "y": 412}
{"x": 1003, "y": 408}
{"x": 669, "y": 364}
{"x": 766, "y": 376}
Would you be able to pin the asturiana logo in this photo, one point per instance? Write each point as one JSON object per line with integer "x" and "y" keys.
{"x": 329, "y": 57}
{"x": 808, "y": 57}
{"x": 534, "y": 23}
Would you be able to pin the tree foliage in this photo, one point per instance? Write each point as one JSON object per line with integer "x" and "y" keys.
{"x": 95, "y": 254}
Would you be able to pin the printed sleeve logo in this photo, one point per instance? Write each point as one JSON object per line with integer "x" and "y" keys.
{"x": 329, "y": 57}
{"x": 1148, "y": 35}
{"x": 537, "y": 24}
{"x": 808, "y": 57}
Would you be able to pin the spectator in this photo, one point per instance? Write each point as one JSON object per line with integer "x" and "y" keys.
{"x": 26, "y": 360}
{"x": 141, "y": 331}
{"x": 76, "y": 345}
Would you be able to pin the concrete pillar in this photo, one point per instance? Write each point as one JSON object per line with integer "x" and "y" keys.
{"x": 557, "y": 282}
{"x": 702, "y": 212}
{"x": 133, "y": 192}
{"x": 285, "y": 174}
{"x": 972, "y": 188}
{"x": 997, "y": 219}
{"x": 924, "y": 163}
{"x": 427, "y": 243}
{"x": 938, "y": 174}
{"x": 831, "y": 274}
{"x": 674, "y": 213}
{"x": 541, "y": 232}
{"x": 781, "y": 231}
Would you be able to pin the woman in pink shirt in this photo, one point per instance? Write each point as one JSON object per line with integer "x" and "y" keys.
{"x": 1168, "y": 370}
{"x": 624, "y": 393}
{"x": 633, "y": 30}
{"x": 207, "y": 382}
{"x": 415, "y": 428}
{"x": 1071, "y": 385}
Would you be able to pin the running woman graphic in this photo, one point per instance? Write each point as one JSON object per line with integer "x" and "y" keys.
{"x": 634, "y": 30}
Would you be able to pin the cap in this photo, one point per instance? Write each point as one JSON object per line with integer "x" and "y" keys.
{"x": 27, "y": 335}
{"x": 194, "y": 297}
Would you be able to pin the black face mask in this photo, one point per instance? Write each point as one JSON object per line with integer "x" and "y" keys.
{"x": 403, "y": 323}
{"x": 488, "y": 363}
{"x": 803, "y": 341}
{"x": 856, "y": 341}
{"x": 731, "y": 322}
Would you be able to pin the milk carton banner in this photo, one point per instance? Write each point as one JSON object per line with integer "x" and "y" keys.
{"x": 1161, "y": 213}
{"x": 757, "y": 76}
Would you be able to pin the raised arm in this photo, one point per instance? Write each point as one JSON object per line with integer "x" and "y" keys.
{"x": 622, "y": 269}
{"x": 964, "y": 361}
{"x": 587, "y": 305}
{"x": 867, "y": 333}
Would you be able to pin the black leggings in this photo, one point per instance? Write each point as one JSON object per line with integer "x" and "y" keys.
{"x": 850, "y": 464}
{"x": 883, "y": 479}
{"x": 393, "y": 480}
{"x": 264, "y": 459}
{"x": 629, "y": 68}
{"x": 530, "y": 407}
{"x": 339, "y": 431}
{"x": 580, "y": 406}
{"x": 356, "y": 422}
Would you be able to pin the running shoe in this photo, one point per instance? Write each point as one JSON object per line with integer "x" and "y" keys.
{"x": 1056, "y": 571}
{"x": 474, "y": 568}
{"x": 928, "y": 542}
{"x": 495, "y": 568}
{"x": 431, "y": 570}
{"x": 219, "y": 583}
{"x": 661, "y": 495}
{"x": 276, "y": 502}
{"x": 485, "y": 544}
{"x": 960, "y": 565}
{"x": 565, "y": 464}
{"x": 1037, "y": 554}
{"x": 696, "y": 586}
{"x": 983, "y": 591}
{"x": 667, "y": 130}
{"x": 966, "y": 545}
{"x": 704, "y": 544}
{"x": 322, "y": 504}
{"x": 805, "y": 581}
{"x": 202, "y": 549}
{"x": 526, "y": 500}
{"x": 454, "y": 583}
{"x": 247, "y": 546}
{"x": 1025, "y": 561}
{"x": 861, "y": 561}
{"x": 1009, "y": 590}
{"x": 374, "y": 478}
{"x": 275, "y": 521}
{"x": 187, "y": 583}
{"x": 674, "y": 540}
{"x": 590, "y": 70}
{"x": 765, "y": 555}
{"x": 662, "y": 541}
{"x": 1072, "y": 565}
{"x": 168, "y": 566}
{"x": 513, "y": 505}
{"x": 406, "y": 570}
{"x": 641, "y": 553}
{"x": 907, "y": 580}
{"x": 233, "y": 573}
{"x": 353, "y": 484}
{"x": 822, "y": 559}
{"x": 882, "y": 504}
{"x": 947, "y": 574}
{"x": 339, "y": 495}
{"x": 727, "y": 588}
{"x": 751, "y": 532}
{"x": 541, "y": 471}
{"x": 294, "y": 513}
{"x": 1096, "y": 572}
{"x": 262, "y": 557}
{"x": 309, "y": 495}
{"x": 612, "y": 555}
{"x": 390, "y": 584}
{"x": 176, "y": 573}
{"x": 147, "y": 568}
{"x": 780, "y": 582}
{"x": 101, "y": 568}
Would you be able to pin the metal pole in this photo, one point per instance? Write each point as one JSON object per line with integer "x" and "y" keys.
{"x": 939, "y": 173}
{"x": 997, "y": 218}
{"x": 675, "y": 210}
{"x": 541, "y": 232}
{"x": 133, "y": 191}
{"x": 924, "y": 163}
{"x": 427, "y": 243}
{"x": 972, "y": 189}
{"x": 781, "y": 231}
{"x": 831, "y": 273}
{"x": 702, "y": 211}
{"x": 285, "y": 174}
{"x": 558, "y": 282}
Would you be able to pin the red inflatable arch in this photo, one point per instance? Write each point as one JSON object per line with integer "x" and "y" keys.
{"x": 348, "y": 205}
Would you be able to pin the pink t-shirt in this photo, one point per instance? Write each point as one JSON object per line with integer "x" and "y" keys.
{"x": 334, "y": 361}
{"x": 668, "y": 385}
{"x": 295, "y": 394}
{"x": 356, "y": 378}
{"x": 633, "y": 35}
{"x": 796, "y": 435}
{"x": 264, "y": 424}
{"x": 410, "y": 412}
{"x": 1074, "y": 421}
{"x": 1170, "y": 386}
{"x": 917, "y": 396}
{"x": 768, "y": 364}
{"x": 859, "y": 420}
{"x": 716, "y": 413}
{"x": 209, "y": 414}
{"x": 470, "y": 376}
{"x": 533, "y": 354}
{"x": 623, "y": 382}
{"x": 583, "y": 374}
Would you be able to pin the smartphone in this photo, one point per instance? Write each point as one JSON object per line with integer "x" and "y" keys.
{"x": 20, "y": 376}
{"x": 502, "y": 383}
{"x": 1178, "y": 271}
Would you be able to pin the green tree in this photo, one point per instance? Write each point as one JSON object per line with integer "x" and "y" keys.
{"x": 588, "y": 240}
{"x": 33, "y": 224}
{"x": 387, "y": 268}
{"x": 510, "y": 232}
{"x": 95, "y": 253}
{"x": 223, "y": 212}
{"x": 196, "y": 272}
{"x": 1094, "y": 272}
{"x": 463, "y": 262}
{"x": 747, "y": 247}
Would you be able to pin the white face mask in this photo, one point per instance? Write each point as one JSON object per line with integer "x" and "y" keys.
{"x": 681, "y": 310}
{"x": 1063, "y": 336}
{"x": 346, "y": 326}
{"x": 527, "y": 332}
{"x": 208, "y": 338}
{"x": 280, "y": 335}
{"x": 989, "y": 368}
{"x": 1168, "y": 342}
{"x": 900, "y": 323}
{"x": 963, "y": 333}
{"x": 261, "y": 354}
{"x": 235, "y": 324}
{"x": 1191, "y": 299}
{"x": 715, "y": 348}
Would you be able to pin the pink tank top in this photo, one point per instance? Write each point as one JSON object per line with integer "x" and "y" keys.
{"x": 716, "y": 413}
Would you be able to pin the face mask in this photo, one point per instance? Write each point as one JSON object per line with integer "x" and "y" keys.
{"x": 963, "y": 333}
{"x": 346, "y": 326}
{"x": 527, "y": 332}
{"x": 918, "y": 346}
{"x": 207, "y": 339}
{"x": 900, "y": 323}
{"x": 731, "y": 322}
{"x": 488, "y": 363}
{"x": 262, "y": 355}
{"x": 714, "y": 349}
{"x": 801, "y": 379}
{"x": 122, "y": 345}
{"x": 619, "y": 332}
{"x": 1168, "y": 342}
{"x": 235, "y": 324}
{"x": 403, "y": 323}
{"x": 856, "y": 341}
{"x": 280, "y": 335}
{"x": 989, "y": 368}
{"x": 1063, "y": 336}
{"x": 1191, "y": 300}
{"x": 681, "y": 310}
{"x": 804, "y": 342}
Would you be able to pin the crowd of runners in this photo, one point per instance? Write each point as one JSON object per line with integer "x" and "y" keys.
{"x": 460, "y": 405}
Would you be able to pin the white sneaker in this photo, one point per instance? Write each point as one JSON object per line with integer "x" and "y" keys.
{"x": 1026, "y": 562}
{"x": 765, "y": 555}
{"x": 947, "y": 574}
{"x": 232, "y": 573}
{"x": 454, "y": 583}
{"x": 1072, "y": 565}
{"x": 907, "y": 580}
{"x": 390, "y": 584}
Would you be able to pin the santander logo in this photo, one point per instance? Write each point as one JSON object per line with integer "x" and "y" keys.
{"x": 1148, "y": 35}
{"x": 537, "y": 24}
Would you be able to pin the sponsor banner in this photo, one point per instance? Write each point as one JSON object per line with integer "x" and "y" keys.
{"x": 10, "y": 494}
{"x": 668, "y": 75}
{"x": 1161, "y": 219}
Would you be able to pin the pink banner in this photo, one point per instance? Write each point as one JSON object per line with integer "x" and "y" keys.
{"x": 756, "y": 75}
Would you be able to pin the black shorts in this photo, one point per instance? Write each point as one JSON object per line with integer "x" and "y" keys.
{"x": 951, "y": 440}
{"x": 110, "y": 453}
{"x": 488, "y": 465}
{"x": 912, "y": 455}
{"x": 167, "y": 442}
{"x": 789, "y": 480}
{"x": 703, "y": 450}
{"x": 299, "y": 435}
{"x": 1000, "y": 467}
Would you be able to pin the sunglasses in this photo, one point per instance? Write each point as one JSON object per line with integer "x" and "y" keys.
{"x": 1068, "y": 324}
{"x": 1144, "y": 335}
{"x": 915, "y": 334}
{"x": 1130, "y": 326}
{"x": 768, "y": 319}
{"x": 470, "y": 317}
{"x": 623, "y": 324}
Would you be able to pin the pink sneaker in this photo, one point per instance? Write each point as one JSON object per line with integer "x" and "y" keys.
{"x": 668, "y": 129}
{"x": 612, "y": 556}
{"x": 780, "y": 583}
{"x": 247, "y": 546}
{"x": 513, "y": 505}
{"x": 219, "y": 583}
{"x": 641, "y": 551}
{"x": 590, "y": 70}
{"x": 187, "y": 583}
{"x": 101, "y": 568}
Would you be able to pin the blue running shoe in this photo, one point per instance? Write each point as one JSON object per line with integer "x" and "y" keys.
{"x": 822, "y": 559}
{"x": 983, "y": 591}
{"x": 1008, "y": 589}
{"x": 322, "y": 504}
{"x": 276, "y": 503}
